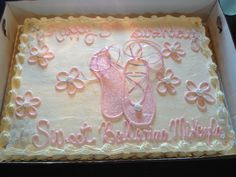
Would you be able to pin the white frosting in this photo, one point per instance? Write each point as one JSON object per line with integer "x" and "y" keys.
{"x": 69, "y": 113}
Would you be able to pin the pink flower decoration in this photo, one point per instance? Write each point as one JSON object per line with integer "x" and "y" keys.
{"x": 27, "y": 105}
{"x": 199, "y": 95}
{"x": 69, "y": 81}
{"x": 41, "y": 56}
{"x": 173, "y": 50}
{"x": 167, "y": 82}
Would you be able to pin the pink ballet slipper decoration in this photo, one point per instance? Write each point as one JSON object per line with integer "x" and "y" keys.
{"x": 27, "y": 105}
{"x": 173, "y": 50}
{"x": 167, "y": 82}
{"x": 199, "y": 95}
{"x": 41, "y": 56}
{"x": 146, "y": 50}
{"x": 111, "y": 80}
{"x": 69, "y": 81}
{"x": 139, "y": 105}
{"x": 139, "y": 109}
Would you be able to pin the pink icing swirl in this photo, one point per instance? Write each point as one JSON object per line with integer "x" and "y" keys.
{"x": 70, "y": 81}
{"x": 167, "y": 82}
{"x": 199, "y": 95}
{"x": 90, "y": 38}
{"x": 173, "y": 50}
{"x": 41, "y": 56}
{"x": 27, "y": 105}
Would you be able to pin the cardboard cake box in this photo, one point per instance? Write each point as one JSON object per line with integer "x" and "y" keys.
{"x": 210, "y": 11}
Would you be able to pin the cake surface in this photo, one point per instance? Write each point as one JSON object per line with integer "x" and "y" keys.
{"x": 110, "y": 88}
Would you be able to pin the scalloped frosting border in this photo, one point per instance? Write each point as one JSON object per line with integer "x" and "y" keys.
{"x": 108, "y": 151}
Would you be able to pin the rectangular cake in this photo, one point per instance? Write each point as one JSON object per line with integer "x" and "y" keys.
{"x": 113, "y": 88}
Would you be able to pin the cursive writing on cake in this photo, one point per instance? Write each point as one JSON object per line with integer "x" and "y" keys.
{"x": 46, "y": 137}
{"x": 179, "y": 129}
